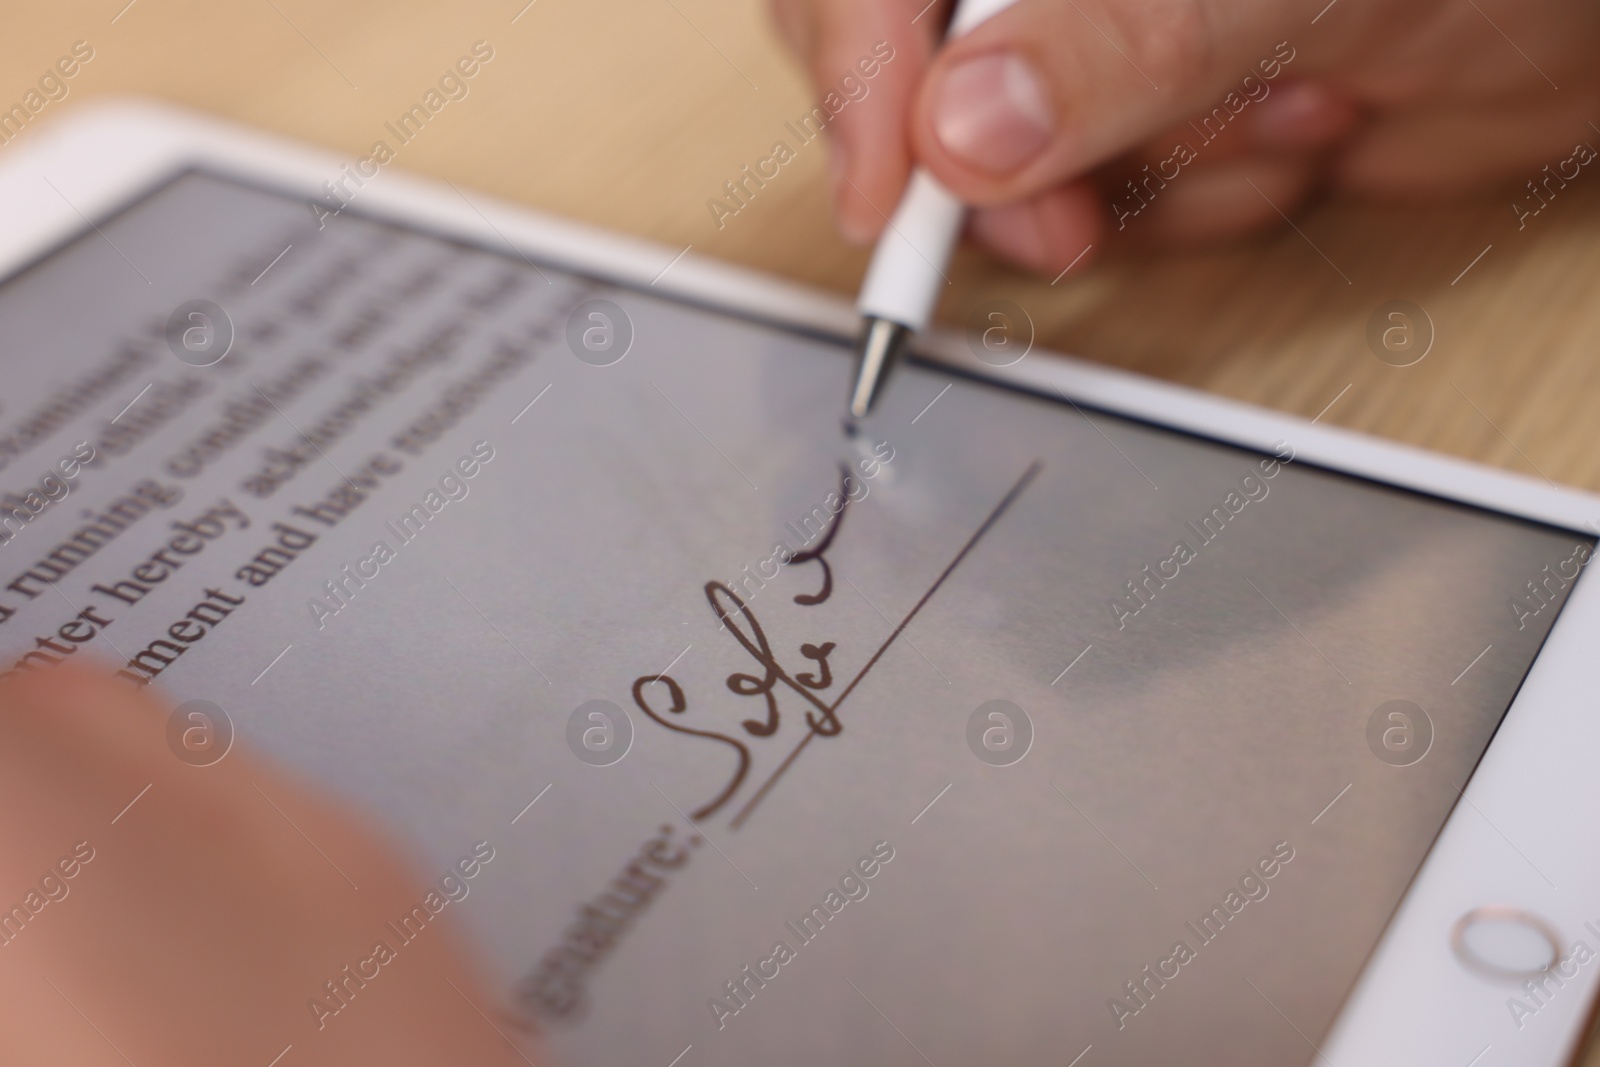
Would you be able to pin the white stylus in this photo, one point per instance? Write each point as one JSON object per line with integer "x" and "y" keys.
{"x": 902, "y": 283}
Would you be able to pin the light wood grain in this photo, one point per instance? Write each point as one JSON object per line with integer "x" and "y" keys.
{"x": 632, "y": 114}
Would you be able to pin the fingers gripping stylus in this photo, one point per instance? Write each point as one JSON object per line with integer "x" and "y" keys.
{"x": 906, "y": 275}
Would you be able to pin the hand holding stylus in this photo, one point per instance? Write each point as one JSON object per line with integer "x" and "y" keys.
{"x": 1041, "y": 115}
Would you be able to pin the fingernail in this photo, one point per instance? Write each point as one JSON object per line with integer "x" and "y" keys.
{"x": 1013, "y": 231}
{"x": 838, "y": 166}
{"x": 847, "y": 217}
{"x": 992, "y": 112}
{"x": 1301, "y": 114}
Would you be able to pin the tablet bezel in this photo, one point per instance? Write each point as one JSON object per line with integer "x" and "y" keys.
{"x": 1522, "y": 808}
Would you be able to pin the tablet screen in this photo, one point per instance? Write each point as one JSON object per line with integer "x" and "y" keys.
{"x": 997, "y": 731}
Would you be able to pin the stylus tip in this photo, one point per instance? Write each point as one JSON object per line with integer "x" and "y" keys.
{"x": 881, "y": 344}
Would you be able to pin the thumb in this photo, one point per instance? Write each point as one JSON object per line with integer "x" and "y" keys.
{"x": 1047, "y": 90}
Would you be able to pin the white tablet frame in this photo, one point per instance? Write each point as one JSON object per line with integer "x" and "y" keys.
{"x": 1415, "y": 1002}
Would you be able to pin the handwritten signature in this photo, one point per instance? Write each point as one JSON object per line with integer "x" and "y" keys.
{"x": 772, "y": 679}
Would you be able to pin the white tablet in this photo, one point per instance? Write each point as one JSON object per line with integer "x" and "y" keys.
{"x": 1055, "y": 716}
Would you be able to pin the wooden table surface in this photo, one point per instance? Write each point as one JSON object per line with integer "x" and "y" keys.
{"x": 632, "y": 113}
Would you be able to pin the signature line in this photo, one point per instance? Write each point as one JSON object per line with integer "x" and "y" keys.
{"x": 994, "y": 517}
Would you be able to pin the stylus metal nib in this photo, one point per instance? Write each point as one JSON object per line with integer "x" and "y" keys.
{"x": 881, "y": 344}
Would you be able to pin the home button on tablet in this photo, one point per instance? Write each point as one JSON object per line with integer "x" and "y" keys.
{"x": 1504, "y": 942}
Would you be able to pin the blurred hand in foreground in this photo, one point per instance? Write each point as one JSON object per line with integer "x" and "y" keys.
{"x": 196, "y": 925}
